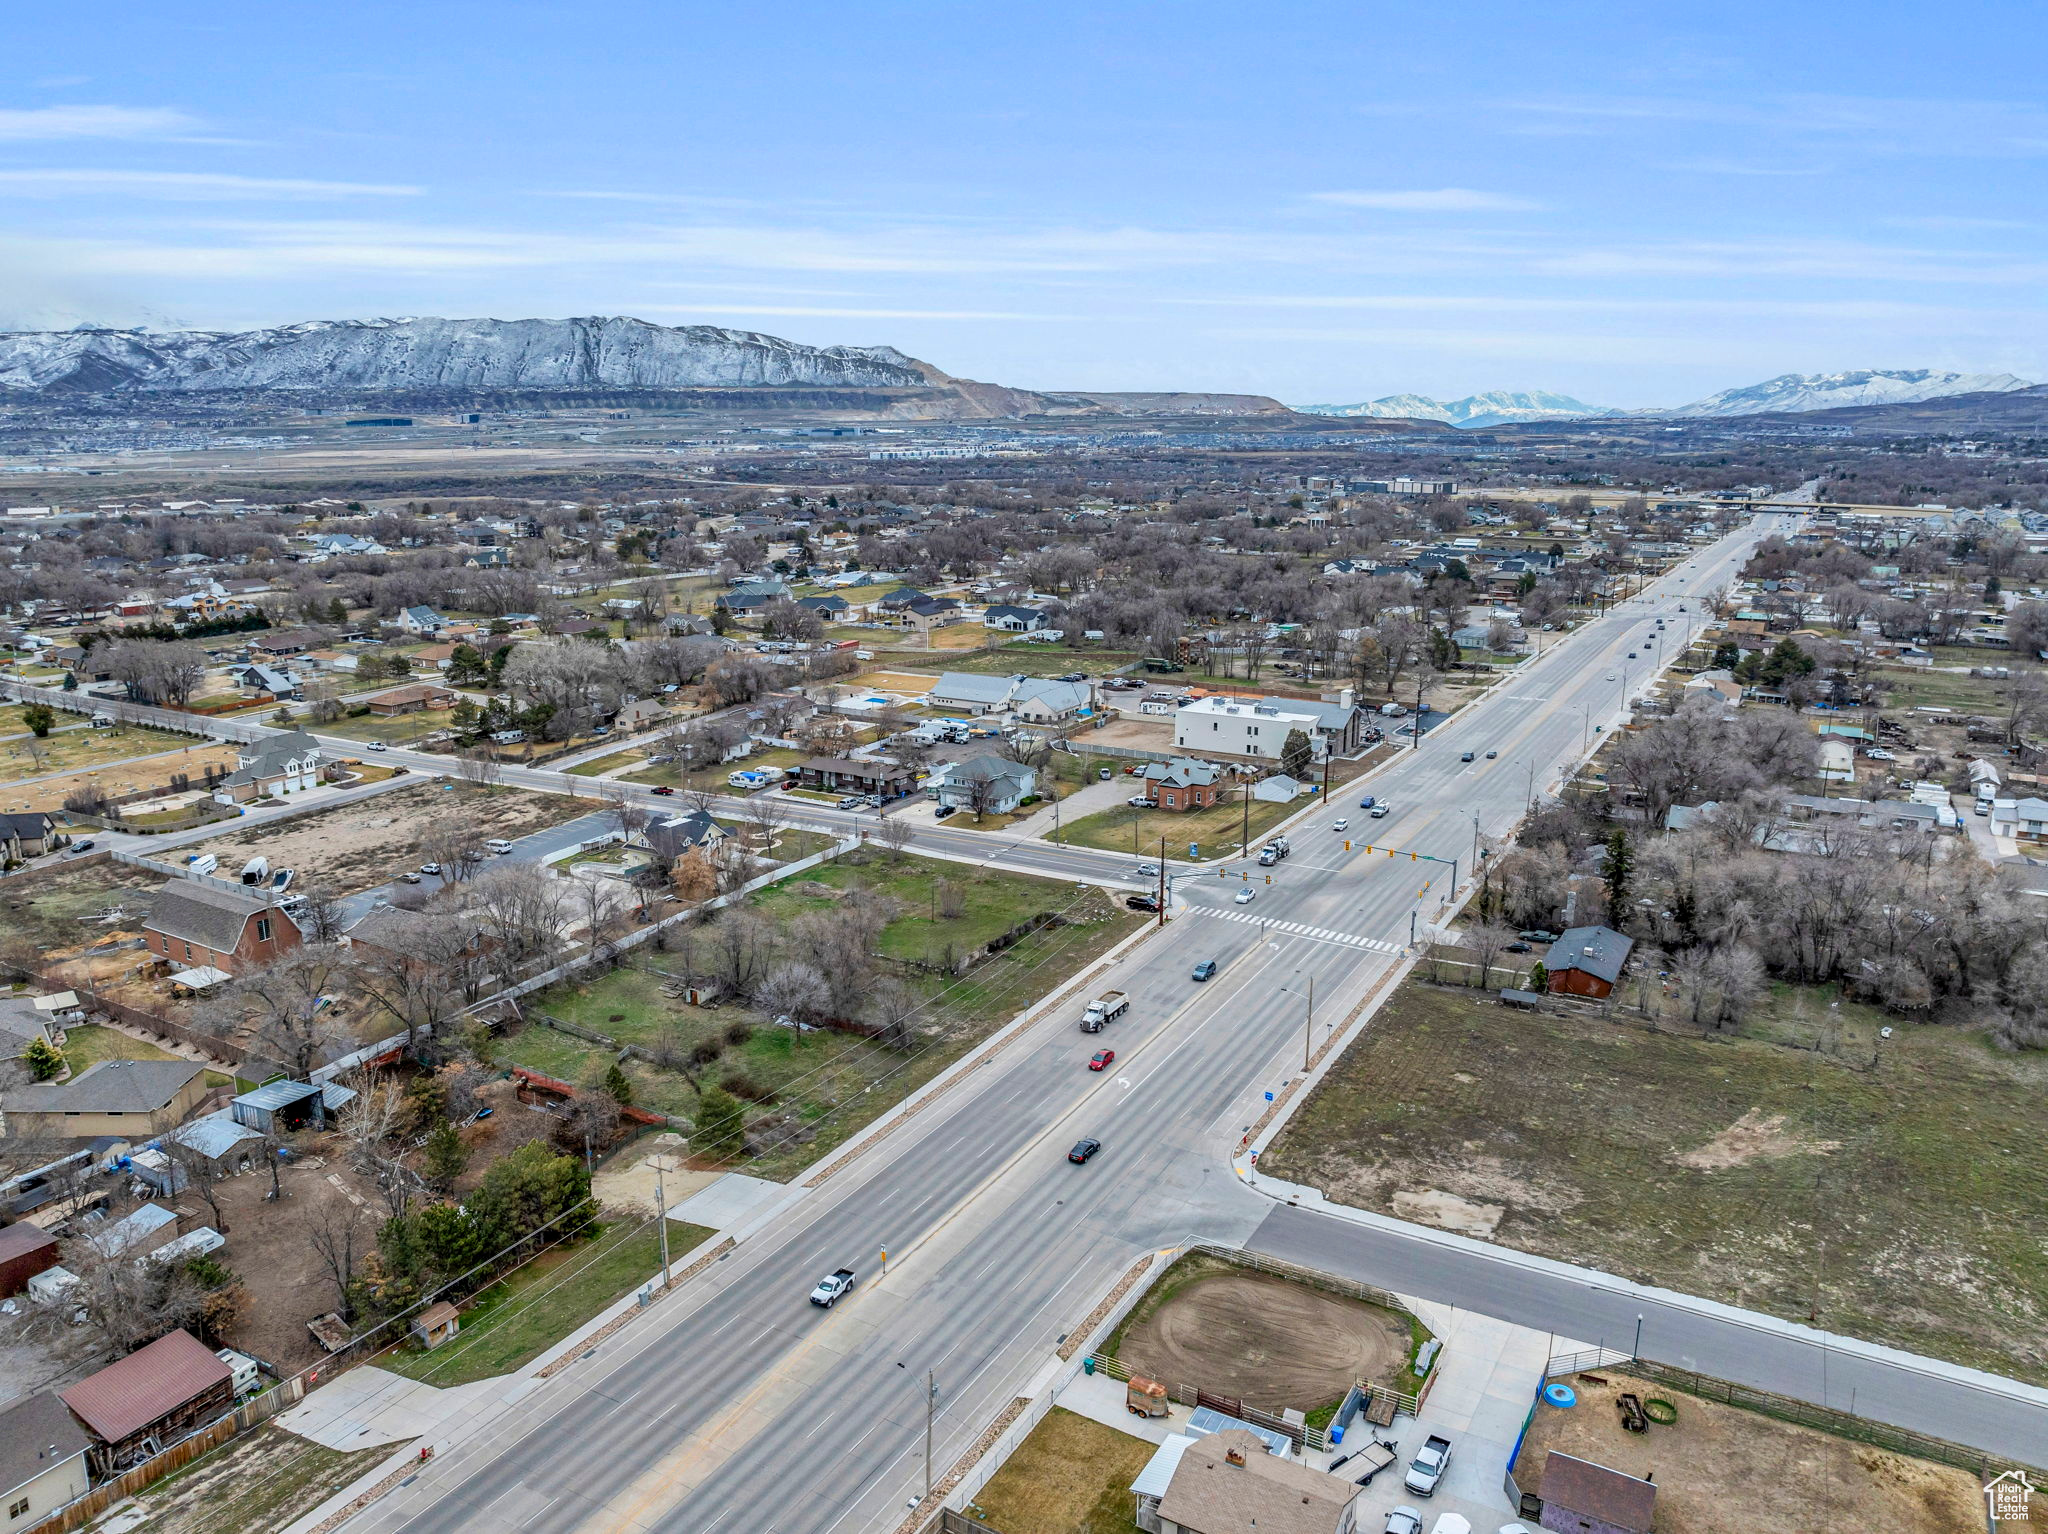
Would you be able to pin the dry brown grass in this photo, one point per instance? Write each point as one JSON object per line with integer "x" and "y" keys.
{"x": 1071, "y": 1476}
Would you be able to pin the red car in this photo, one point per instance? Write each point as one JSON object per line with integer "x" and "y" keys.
{"x": 1099, "y": 1061}
{"x": 663, "y": 791}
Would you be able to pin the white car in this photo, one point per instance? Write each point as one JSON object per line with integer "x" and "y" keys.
{"x": 1612, "y": 677}
{"x": 378, "y": 745}
{"x": 1246, "y": 895}
{"x": 1342, "y": 825}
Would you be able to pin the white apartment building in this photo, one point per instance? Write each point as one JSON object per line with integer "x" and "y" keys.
{"x": 1241, "y": 727}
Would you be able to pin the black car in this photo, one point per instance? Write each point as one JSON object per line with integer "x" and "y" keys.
{"x": 1083, "y": 1150}
{"x": 1517, "y": 947}
{"x": 1205, "y": 970}
{"x": 1142, "y": 902}
{"x": 1537, "y": 935}
{"x": 1072, "y": 676}
{"x": 942, "y": 812}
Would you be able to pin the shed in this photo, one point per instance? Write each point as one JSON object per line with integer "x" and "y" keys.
{"x": 1278, "y": 789}
{"x": 1580, "y": 1497}
{"x": 436, "y": 1324}
{"x": 154, "y": 1397}
{"x": 280, "y": 1107}
{"x": 25, "y": 1251}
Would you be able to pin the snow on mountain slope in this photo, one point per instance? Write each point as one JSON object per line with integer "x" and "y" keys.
{"x": 1831, "y": 391}
{"x": 605, "y": 352}
{"x": 1493, "y": 408}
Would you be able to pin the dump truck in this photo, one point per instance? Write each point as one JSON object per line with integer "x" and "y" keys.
{"x": 1106, "y": 1008}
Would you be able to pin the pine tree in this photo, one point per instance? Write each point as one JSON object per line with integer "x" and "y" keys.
{"x": 721, "y": 1123}
{"x": 336, "y": 612}
{"x": 1539, "y": 976}
{"x": 1297, "y": 755}
{"x": 446, "y": 1155}
{"x": 1615, "y": 869}
{"x": 44, "y": 1059}
{"x": 618, "y": 1085}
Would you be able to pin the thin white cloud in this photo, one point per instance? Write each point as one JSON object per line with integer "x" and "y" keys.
{"x": 99, "y": 122}
{"x": 1449, "y": 199}
{"x": 184, "y": 186}
{"x": 849, "y": 314}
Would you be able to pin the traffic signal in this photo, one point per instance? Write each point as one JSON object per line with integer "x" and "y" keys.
{"x": 1269, "y": 878}
{"x": 1347, "y": 844}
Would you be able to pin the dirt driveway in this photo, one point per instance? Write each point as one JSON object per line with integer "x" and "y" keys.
{"x": 372, "y": 842}
{"x": 1265, "y": 1341}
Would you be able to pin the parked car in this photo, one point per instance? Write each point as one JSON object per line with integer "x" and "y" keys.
{"x": 1404, "y": 1520}
{"x": 663, "y": 790}
{"x": 1537, "y": 935}
{"x": 1072, "y": 676}
{"x": 430, "y": 868}
{"x": 499, "y": 845}
{"x": 1083, "y": 1149}
{"x": 1142, "y": 902}
{"x": 942, "y": 812}
{"x": 1517, "y": 947}
{"x": 1245, "y": 896}
{"x": 409, "y": 878}
{"x": 1206, "y": 970}
{"x": 1140, "y": 802}
{"x": 1100, "y": 1060}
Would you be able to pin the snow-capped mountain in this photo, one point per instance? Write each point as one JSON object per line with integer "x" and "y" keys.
{"x": 1831, "y": 391}
{"x": 1496, "y": 407}
{"x": 595, "y": 353}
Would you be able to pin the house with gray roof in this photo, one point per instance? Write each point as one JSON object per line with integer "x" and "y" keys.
{"x": 271, "y": 768}
{"x": 42, "y": 1459}
{"x": 990, "y": 785}
{"x": 25, "y": 833}
{"x": 970, "y": 694}
{"x": 1338, "y": 726}
{"x": 1587, "y": 961}
{"x": 132, "y": 1099}
{"x": 194, "y": 924}
{"x": 1039, "y": 700}
{"x": 422, "y": 620}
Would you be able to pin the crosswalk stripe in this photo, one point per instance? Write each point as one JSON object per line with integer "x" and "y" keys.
{"x": 1299, "y": 929}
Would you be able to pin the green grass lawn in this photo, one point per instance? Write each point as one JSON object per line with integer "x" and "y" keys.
{"x": 399, "y": 729}
{"x": 519, "y": 1318}
{"x": 1071, "y": 1475}
{"x": 1219, "y": 830}
{"x": 831, "y": 1085}
{"x": 1813, "y": 1177}
{"x": 597, "y": 767}
{"x": 89, "y": 1043}
{"x": 1912, "y": 687}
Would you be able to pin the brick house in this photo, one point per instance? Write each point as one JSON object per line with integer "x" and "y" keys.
{"x": 194, "y": 925}
{"x": 850, "y": 776}
{"x": 1587, "y": 961}
{"x": 410, "y": 699}
{"x": 1184, "y": 784}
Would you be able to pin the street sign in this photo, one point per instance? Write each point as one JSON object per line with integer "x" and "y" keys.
{"x": 1194, "y": 849}
{"x": 1269, "y": 1097}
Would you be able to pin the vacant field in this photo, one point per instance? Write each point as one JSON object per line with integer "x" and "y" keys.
{"x": 1722, "y": 1470}
{"x": 517, "y": 1319}
{"x": 1072, "y": 1475}
{"x": 1219, "y": 831}
{"x": 54, "y": 904}
{"x": 130, "y": 771}
{"x": 1021, "y": 658}
{"x": 364, "y": 844}
{"x": 812, "y": 1091}
{"x": 1224, "y": 1329}
{"x": 1914, "y": 687}
{"x": 1824, "y": 1180}
{"x": 73, "y": 746}
{"x": 255, "y": 1484}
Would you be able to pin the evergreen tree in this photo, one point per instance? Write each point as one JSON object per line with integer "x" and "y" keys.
{"x": 43, "y": 1059}
{"x": 446, "y": 1155}
{"x": 721, "y": 1123}
{"x": 618, "y": 1085}
{"x": 71, "y": 681}
{"x": 1297, "y": 755}
{"x": 39, "y": 717}
{"x": 1615, "y": 868}
{"x": 336, "y": 611}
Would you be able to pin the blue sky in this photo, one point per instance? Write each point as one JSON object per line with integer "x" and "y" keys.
{"x": 1324, "y": 202}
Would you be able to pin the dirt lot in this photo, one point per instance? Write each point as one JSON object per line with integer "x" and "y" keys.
{"x": 1722, "y": 1470}
{"x": 268, "y": 1249}
{"x": 1806, "y": 1169}
{"x": 1072, "y": 1475}
{"x": 254, "y": 1484}
{"x": 121, "y": 776}
{"x": 368, "y": 843}
{"x": 1260, "y": 1338}
{"x": 50, "y": 904}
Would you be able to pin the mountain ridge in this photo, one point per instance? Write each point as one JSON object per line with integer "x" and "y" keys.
{"x": 1495, "y": 407}
{"x": 1800, "y": 393}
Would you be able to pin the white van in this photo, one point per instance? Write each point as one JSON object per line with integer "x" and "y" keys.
{"x": 499, "y": 845}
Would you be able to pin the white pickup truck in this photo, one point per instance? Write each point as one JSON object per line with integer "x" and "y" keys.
{"x": 833, "y": 1287}
{"x": 1428, "y": 1466}
{"x": 1106, "y": 1008}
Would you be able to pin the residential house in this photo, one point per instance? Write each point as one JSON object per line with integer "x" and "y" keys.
{"x": 640, "y": 714}
{"x": 151, "y": 1399}
{"x": 278, "y": 681}
{"x": 1338, "y": 726}
{"x": 1587, "y": 961}
{"x": 1238, "y": 728}
{"x": 850, "y": 775}
{"x": 129, "y": 1098}
{"x": 204, "y": 925}
{"x": 832, "y": 609}
{"x": 671, "y": 836}
{"x": 283, "y": 642}
{"x": 1038, "y": 700}
{"x": 989, "y": 785}
{"x": 42, "y": 1461}
{"x": 22, "y": 1022}
{"x": 1580, "y": 1497}
{"x": 423, "y": 621}
{"x": 1230, "y": 1483}
{"x": 1837, "y": 760}
{"x": 922, "y": 613}
{"x": 411, "y": 698}
{"x": 1720, "y": 682}
{"x": 752, "y": 597}
{"x": 963, "y": 692}
{"x": 25, "y": 834}
{"x": 2023, "y": 820}
{"x": 272, "y": 767}
{"x": 1014, "y": 620}
{"x": 1184, "y": 784}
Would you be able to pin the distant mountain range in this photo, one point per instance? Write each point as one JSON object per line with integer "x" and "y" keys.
{"x": 1497, "y": 407}
{"x": 614, "y": 352}
{"x": 1789, "y": 392}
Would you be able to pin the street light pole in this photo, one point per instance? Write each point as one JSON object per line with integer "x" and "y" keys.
{"x": 661, "y": 1214}
{"x": 931, "y": 1400}
{"x": 1308, "y": 1027}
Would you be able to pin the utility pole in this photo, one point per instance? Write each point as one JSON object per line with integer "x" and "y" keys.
{"x": 931, "y": 1401}
{"x": 1416, "y": 744}
{"x": 1244, "y": 835}
{"x": 661, "y": 1214}
{"x": 1162, "y": 883}
{"x": 1308, "y": 1027}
